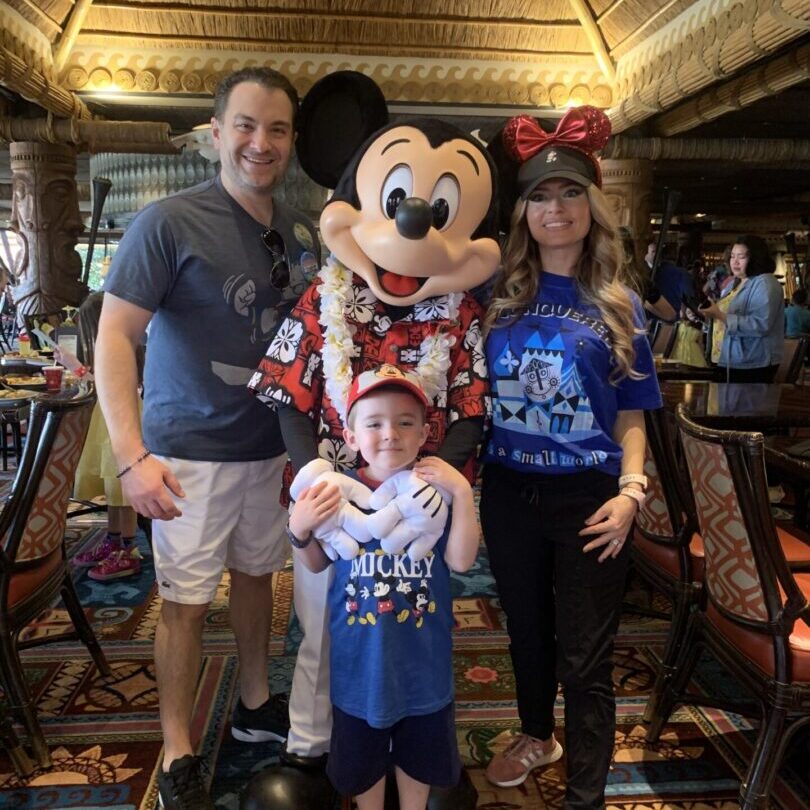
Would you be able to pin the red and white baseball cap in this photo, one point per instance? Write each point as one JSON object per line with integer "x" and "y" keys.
{"x": 386, "y": 374}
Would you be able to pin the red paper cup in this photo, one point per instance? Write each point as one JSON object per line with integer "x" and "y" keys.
{"x": 53, "y": 377}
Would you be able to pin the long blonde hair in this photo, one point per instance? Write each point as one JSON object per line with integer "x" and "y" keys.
{"x": 596, "y": 278}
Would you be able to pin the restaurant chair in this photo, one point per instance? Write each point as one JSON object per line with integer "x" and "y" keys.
{"x": 10, "y": 743}
{"x": 33, "y": 567}
{"x": 667, "y": 552}
{"x": 753, "y": 614}
{"x": 664, "y": 338}
{"x": 792, "y": 360}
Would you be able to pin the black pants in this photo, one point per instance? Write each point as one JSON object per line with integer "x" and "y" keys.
{"x": 765, "y": 374}
{"x": 562, "y": 611}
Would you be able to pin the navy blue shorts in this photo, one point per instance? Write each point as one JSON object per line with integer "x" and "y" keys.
{"x": 424, "y": 746}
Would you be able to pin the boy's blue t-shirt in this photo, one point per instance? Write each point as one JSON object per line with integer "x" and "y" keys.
{"x": 553, "y": 407}
{"x": 391, "y": 624}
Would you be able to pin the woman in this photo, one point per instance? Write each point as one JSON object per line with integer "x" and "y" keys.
{"x": 571, "y": 373}
{"x": 754, "y": 319}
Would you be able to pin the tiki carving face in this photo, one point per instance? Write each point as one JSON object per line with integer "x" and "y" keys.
{"x": 45, "y": 214}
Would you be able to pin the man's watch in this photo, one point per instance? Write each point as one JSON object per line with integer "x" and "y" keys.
{"x": 294, "y": 541}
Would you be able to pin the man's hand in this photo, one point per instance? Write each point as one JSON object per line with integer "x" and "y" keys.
{"x": 148, "y": 486}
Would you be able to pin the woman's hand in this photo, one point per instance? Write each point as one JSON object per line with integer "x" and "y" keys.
{"x": 712, "y": 311}
{"x": 314, "y": 506}
{"x": 66, "y": 358}
{"x": 610, "y": 524}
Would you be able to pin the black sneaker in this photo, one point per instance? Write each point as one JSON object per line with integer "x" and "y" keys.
{"x": 270, "y": 721}
{"x": 182, "y": 787}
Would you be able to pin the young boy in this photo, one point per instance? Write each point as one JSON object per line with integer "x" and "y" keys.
{"x": 391, "y": 618}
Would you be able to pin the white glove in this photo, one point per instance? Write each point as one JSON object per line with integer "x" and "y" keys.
{"x": 340, "y": 534}
{"x": 409, "y": 511}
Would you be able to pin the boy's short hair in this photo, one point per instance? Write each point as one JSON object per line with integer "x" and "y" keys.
{"x": 385, "y": 378}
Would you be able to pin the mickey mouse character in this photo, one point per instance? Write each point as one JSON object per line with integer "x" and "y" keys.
{"x": 411, "y": 227}
{"x": 420, "y": 601}
{"x": 383, "y": 584}
{"x": 352, "y": 606}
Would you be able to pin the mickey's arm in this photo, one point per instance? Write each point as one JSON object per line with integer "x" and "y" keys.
{"x": 461, "y": 441}
{"x": 298, "y": 432}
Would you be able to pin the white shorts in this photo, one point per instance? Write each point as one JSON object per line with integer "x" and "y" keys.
{"x": 231, "y": 517}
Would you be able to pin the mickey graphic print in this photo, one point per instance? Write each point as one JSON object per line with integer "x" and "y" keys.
{"x": 391, "y": 622}
{"x": 552, "y": 411}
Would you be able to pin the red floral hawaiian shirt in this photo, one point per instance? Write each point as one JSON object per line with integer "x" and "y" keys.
{"x": 291, "y": 371}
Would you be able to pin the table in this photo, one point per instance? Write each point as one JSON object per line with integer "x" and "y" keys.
{"x": 744, "y": 406}
{"x": 793, "y": 468}
{"x": 666, "y": 371}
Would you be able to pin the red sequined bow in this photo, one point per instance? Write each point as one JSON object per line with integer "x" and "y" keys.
{"x": 586, "y": 129}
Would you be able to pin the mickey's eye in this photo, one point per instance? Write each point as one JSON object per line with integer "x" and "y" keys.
{"x": 444, "y": 201}
{"x": 397, "y": 187}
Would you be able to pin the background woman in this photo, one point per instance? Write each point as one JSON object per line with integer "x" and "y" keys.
{"x": 571, "y": 371}
{"x": 115, "y": 554}
{"x": 755, "y": 318}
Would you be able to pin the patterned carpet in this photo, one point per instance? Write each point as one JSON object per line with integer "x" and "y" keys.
{"x": 105, "y": 734}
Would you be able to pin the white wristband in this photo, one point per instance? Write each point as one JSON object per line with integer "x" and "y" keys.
{"x": 633, "y": 478}
{"x": 638, "y": 497}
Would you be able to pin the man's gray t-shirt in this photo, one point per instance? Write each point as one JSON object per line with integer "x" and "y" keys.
{"x": 197, "y": 261}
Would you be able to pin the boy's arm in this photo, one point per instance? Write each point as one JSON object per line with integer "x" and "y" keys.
{"x": 313, "y": 507}
{"x": 313, "y": 556}
{"x": 462, "y": 541}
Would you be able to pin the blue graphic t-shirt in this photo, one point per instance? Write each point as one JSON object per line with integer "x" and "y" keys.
{"x": 391, "y": 624}
{"x": 553, "y": 407}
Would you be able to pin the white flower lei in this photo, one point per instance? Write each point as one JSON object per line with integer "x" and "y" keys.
{"x": 338, "y": 340}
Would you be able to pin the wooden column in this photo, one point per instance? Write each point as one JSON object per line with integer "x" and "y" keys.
{"x": 628, "y": 186}
{"x": 45, "y": 214}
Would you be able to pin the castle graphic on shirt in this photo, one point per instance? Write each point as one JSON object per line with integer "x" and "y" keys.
{"x": 541, "y": 390}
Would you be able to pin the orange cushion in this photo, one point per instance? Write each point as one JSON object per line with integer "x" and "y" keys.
{"x": 25, "y": 582}
{"x": 758, "y": 647}
{"x": 794, "y": 545}
{"x": 666, "y": 556}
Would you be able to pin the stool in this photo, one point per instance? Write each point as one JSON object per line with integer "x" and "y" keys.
{"x": 10, "y": 424}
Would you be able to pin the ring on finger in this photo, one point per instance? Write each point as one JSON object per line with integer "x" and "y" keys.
{"x": 616, "y": 541}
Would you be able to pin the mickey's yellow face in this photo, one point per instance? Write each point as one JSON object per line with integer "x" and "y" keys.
{"x": 411, "y": 238}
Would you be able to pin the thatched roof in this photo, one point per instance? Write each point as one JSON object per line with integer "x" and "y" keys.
{"x": 484, "y": 29}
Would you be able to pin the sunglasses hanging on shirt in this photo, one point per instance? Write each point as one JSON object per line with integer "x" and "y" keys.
{"x": 280, "y": 272}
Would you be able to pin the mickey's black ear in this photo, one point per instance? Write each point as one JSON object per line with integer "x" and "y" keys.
{"x": 507, "y": 168}
{"x": 337, "y": 115}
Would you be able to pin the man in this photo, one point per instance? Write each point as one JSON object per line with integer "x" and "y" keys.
{"x": 797, "y": 315}
{"x": 214, "y": 270}
{"x": 672, "y": 281}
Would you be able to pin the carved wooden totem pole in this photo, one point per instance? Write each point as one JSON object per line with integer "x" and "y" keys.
{"x": 45, "y": 215}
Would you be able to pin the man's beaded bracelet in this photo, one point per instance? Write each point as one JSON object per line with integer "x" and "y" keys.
{"x": 141, "y": 457}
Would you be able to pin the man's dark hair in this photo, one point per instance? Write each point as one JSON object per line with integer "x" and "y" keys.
{"x": 759, "y": 257}
{"x": 799, "y": 297}
{"x": 267, "y": 77}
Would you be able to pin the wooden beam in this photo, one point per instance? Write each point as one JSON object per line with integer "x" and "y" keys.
{"x": 68, "y": 38}
{"x": 18, "y": 77}
{"x": 595, "y": 38}
{"x": 49, "y": 21}
{"x": 609, "y": 10}
{"x": 650, "y": 20}
{"x": 766, "y": 79}
{"x": 367, "y": 15}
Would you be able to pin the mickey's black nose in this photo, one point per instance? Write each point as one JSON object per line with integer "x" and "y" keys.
{"x": 414, "y": 218}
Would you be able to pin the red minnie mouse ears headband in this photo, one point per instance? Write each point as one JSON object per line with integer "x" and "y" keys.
{"x": 567, "y": 152}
